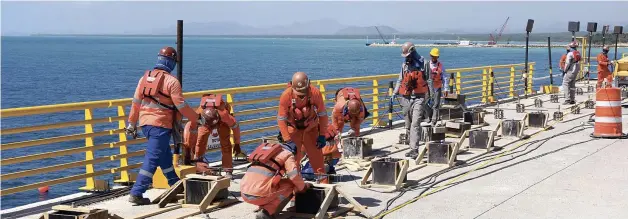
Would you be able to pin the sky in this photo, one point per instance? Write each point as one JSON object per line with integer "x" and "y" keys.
{"x": 116, "y": 17}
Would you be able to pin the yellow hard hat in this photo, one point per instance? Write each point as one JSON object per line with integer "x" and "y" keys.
{"x": 435, "y": 52}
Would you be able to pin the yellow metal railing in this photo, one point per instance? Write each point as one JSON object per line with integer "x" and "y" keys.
{"x": 257, "y": 119}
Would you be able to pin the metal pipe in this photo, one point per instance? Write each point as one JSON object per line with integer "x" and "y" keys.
{"x": 589, "y": 57}
{"x": 180, "y": 51}
{"x": 525, "y": 68}
{"x": 549, "y": 49}
{"x": 616, "y": 41}
{"x": 390, "y": 104}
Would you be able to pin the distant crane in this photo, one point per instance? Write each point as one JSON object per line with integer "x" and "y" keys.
{"x": 380, "y": 35}
{"x": 493, "y": 40}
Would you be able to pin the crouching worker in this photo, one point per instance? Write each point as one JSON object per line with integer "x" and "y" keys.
{"x": 331, "y": 155}
{"x": 272, "y": 178}
{"x": 215, "y": 133}
{"x": 350, "y": 108}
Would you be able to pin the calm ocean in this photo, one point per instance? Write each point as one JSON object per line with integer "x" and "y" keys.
{"x": 51, "y": 70}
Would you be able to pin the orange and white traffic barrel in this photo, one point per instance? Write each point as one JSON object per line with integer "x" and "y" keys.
{"x": 608, "y": 113}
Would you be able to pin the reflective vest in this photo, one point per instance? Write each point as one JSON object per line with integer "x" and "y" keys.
{"x": 437, "y": 75}
{"x": 212, "y": 100}
{"x": 302, "y": 112}
{"x": 412, "y": 82}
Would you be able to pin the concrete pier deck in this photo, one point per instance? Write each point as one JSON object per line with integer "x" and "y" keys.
{"x": 554, "y": 173}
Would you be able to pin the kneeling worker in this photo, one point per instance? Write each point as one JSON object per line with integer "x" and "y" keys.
{"x": 220, "y": 122}
{"x": 349, "y": 108}
{"x": 302, "y": 120}
{"x": 272, "y": 178}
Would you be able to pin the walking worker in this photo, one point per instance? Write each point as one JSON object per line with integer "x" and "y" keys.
{"x": 603, "y": 72}
{"x": 440, "y": 82}
{"x": 412, "y": 87}
{"x": 218, "y": 126}
{"x": 302, "y": 120}
{"x": 272, "y": 179}
{"x": 155, "y": 104}
{"x": 572, "y": 67}
{"x": 349, "y": 107}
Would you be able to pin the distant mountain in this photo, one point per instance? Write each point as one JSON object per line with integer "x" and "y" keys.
{"x": 370, "y": 31}
{"x": 315, "y": 27}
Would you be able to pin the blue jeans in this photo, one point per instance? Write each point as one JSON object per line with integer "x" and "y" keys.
{"x": 158, "y": 154}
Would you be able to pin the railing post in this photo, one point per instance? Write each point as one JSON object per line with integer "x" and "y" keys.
{"x": 491, "y": 87}
{"x": 451, "y": 83}
{"x": 390, "y": 104}
{"x": 458, "y": 83}
{"x": 375, "y": 101}
{"x": 230, "y": 102}
{"x": 484, "y": 86}
{"x": 530, "y": 76}
{"x": 89, "y": 155}
{"x": 512, "y": 82}
{"x": 124, "y": 174}
{"x": 321, "y": 87}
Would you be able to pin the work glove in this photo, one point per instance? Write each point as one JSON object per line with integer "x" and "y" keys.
{"x": 131, "y": 130}
{"x": 351, "y": 132}
{"x": 611, "y": 62}
{"x": 321, "y": 142}
{"x": 237, "y": 149}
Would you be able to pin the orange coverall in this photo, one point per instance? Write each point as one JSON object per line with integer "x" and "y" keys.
{"x": 257, "y": 187}
{"x": 199, "y": 140}
{"x": 603, "y": 71}
{"x": 304, "y": 138}
{"x": 338, "y": 120}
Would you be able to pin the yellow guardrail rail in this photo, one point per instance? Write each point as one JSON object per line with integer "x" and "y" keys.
{"x": 256, "y": 118}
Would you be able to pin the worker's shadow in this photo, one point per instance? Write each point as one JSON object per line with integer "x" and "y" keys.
{"x": 368, "y": 201}
{"x": 341, "y": 177}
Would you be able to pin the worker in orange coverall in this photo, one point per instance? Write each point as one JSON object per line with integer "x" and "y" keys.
{"x": 218, "y": 126}
{"x": 349, "y": 107}
{"x": 302, "y": 120}
{"x": 158, "y": 104}
{"x": 602, "y": 67}
{"x": 272, "y": 179}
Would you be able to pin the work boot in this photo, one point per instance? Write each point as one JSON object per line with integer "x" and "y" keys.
{"x": 139, "y": 200}
{"x": 263, "y": 214}
{"x": 569, "y": 102}
{"x": 413, "y": 153}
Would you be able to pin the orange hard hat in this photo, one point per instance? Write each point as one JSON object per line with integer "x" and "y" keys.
{"x": 354, "y": 106}
{"x": 211, "y": 116}
{"x": 300, "y": 83}
{"x": 168, "y": 52}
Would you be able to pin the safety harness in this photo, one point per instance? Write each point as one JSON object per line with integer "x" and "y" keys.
{"x": 264, "y": 154}
{"x": 151, "y": 85}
